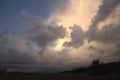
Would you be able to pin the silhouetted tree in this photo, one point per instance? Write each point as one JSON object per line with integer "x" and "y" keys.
{"x": 95, "y": 67}
{"x": 96, "y": 63}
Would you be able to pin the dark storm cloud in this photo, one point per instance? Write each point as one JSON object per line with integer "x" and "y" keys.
{"x": 10, "y": 50}
{"x": 104, "y": 11}
{"x": 108, "y": 34}
{"x": 107, "y": 7}
{"x": 77, "y": 37}
{"x": 42, "y": 33}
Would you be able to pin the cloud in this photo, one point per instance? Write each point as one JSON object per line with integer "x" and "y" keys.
{"x": 77, "y": 37}
{"x": 14, "y": 50}
{"x": 104, "y": 11}
{"x": 42, "y": 33}
{"x": 108, "y": 36}
{"x": 23, "y": 53}
{"x": 110, "y": 28}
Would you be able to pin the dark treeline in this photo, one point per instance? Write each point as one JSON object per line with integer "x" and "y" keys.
{"x": 98, "y": 68}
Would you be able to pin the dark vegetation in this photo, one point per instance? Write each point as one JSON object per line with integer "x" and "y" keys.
{"x": 97, "y": 68}
{"x": 96, "y": 71}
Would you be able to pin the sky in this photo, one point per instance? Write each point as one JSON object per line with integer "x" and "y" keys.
{"x": 57, "y": 35}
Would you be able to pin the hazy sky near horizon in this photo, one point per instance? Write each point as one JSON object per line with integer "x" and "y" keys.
{"x": 53, "y": 35}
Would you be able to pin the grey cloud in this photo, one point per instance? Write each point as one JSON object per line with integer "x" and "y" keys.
{"x": 77, "y": 37}
{"x": 10, "y": 50}
{"x": 17, "y": 55}
{"x": 108, "y": 34}
{"x": 42, "y": 33}
{"x": 104, "y": 11}
{"x": 107, "y": 7}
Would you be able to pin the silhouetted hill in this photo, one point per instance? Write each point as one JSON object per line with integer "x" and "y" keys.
{"x": 98, "y": 68}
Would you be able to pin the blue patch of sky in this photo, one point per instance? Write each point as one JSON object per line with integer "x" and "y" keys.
{"x": 10, "y": 10}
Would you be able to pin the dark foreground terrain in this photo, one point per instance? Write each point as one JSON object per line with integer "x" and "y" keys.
{"x": 58, "y": 76}
{"x": 96, "y": 71}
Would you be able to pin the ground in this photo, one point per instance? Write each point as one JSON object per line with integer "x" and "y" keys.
{"x": 58, "y": 76}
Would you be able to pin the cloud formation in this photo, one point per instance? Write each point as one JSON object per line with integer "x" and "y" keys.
{"x": 23, "y": 45}
{"x": 94, "y": 33}
{"x": 104, "y": 11}
{"x": 77, "y": 37}
{"x": 43, "y": 33}
{"x": 14, "y": 50}
{"x": 35, "y": 48}
{"x": 110, "y": 32}
{"x": 108, "y": 36}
